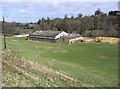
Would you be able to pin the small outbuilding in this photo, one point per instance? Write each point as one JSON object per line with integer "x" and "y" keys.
{"x": 75, "y": 38}
{"x": 70, "y": 39}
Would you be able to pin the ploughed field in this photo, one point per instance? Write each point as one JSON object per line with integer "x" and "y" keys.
{"x": 81, "y": 64}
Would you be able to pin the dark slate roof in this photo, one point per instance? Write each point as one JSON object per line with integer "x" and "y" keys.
{"x": 46, "y": 33}
{"x": 73, "y": 36}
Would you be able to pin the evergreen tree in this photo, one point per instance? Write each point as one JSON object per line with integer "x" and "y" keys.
{"x": 72, "y": 17}
{"x": 39, "y": 21}
{"x": 96, "y": 23}
{"x": 48, "y": 20}
{"x": 79, "y": 15}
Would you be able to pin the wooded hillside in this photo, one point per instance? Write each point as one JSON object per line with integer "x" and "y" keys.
{"x": 99, "y": 24}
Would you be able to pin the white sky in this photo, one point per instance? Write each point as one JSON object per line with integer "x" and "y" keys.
{"x": 60, "y": 0}
{"x": 52, "y": 8}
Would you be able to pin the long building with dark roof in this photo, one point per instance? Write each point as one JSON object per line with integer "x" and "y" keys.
{"x": 47, "y": 36}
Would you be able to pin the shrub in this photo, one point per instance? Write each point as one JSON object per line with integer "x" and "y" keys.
{"x": 87, "y": 33}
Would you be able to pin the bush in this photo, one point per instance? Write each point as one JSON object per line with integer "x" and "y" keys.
{"x": 112, "y": 33}
{"x": 104, "y": 33}
{"x": 96, "y": 33}
{"x": 87, "y": 33}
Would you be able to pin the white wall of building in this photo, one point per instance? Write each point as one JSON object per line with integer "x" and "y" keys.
{"x": 61, "y": 34}
{"x": 25, "y": 35}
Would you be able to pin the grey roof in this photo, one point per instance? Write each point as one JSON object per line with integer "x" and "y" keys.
{"x": 73, "y": 36}
{"x": 46, "y": 33}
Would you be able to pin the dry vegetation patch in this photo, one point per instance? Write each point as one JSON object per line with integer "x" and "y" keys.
{"x": 18, "y": 70}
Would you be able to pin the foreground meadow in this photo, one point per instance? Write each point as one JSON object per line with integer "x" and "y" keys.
{"x": 91, "y": 64}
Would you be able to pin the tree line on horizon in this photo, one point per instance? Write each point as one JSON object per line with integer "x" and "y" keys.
{"x": 99, "y": 24}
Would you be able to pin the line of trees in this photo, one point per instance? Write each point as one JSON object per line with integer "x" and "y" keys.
{"x": 99, "y": 24}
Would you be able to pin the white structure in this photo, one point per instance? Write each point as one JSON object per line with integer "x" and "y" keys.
{"x": 61, "y": 34}
{"x": 25, "y": 35}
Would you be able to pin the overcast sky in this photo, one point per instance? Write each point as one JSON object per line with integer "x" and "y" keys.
{"x": 32, "y": 10}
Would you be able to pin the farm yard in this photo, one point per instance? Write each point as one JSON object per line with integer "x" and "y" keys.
{"x": 35, "y": 63}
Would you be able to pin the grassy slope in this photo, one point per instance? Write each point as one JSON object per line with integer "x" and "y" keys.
{"x": 93, "y": 64}
{"x": 18, "y": 72}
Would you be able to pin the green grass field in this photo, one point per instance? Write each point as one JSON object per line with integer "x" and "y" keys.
{"x": 93, "y": 64}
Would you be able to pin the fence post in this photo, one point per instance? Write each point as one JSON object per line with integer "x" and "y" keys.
{"x": 3, "y": 28}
